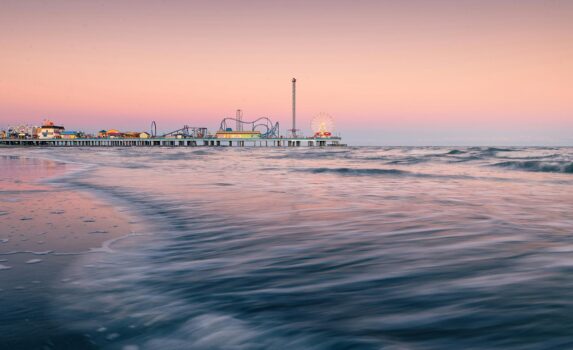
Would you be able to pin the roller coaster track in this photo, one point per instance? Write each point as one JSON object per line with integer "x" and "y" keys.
{"x": 270, "y": 130}
{"x": 188, "y": 131}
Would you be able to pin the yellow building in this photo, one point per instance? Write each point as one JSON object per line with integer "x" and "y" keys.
{"x": 238, "y": 134}
{"x": 131, "y": 135}
{"x": 69, "y": 135}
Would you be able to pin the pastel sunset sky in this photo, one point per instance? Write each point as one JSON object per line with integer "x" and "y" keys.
{"x": 427, "y": 72}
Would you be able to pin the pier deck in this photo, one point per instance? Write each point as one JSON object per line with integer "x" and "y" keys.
{"x": 176, "y": 142}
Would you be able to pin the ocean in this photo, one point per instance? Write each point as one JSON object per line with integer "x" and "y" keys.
{"x": 334, "y": 248}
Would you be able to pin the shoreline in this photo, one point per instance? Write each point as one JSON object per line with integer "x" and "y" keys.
{"x": 46, "y": 229}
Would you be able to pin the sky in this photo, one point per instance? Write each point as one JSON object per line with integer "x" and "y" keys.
{"x": 417, "y": 72}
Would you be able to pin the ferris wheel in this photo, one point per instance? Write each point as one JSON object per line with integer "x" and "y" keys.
{"x": 322, "y": 125}
{"x": 23, "y": 129}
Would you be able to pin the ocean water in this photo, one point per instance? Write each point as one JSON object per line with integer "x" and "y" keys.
{"x": 336, "y": 248}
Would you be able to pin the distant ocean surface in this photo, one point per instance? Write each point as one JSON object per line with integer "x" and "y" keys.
{"x": 336, "y": 248}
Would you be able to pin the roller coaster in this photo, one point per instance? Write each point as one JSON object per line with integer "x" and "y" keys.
{"x": 185, "y": 132}
{"x": 188, "y": 131}
{"x": 269, "y": 130}
{"x": 263, "y": 124}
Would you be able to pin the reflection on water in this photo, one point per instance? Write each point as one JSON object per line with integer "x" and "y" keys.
{"x": 328, "y": 249}
{"x": 42, "y": 230}
{"x": 16, "y": 173}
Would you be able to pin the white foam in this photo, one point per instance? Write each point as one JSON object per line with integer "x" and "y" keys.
{"x": 34, "y": 261}
{"x": 4, "y": 267}
{"x": 106, "y": 246}
{"x": 27, "y": 252}
{"x": 112, "y": 336}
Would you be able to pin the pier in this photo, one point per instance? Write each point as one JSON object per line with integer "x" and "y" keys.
{"x": 232, "y": 132}
{"x": 177, "y": 142}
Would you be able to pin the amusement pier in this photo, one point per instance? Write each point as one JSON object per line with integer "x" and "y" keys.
{"x": 232, "y": 132}
{"x": 183, "y": 142}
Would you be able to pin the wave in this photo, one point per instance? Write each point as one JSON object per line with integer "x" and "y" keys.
{"x": 132, "y": 166}
{"x": 398, "y": 173}
{"x": 538, "y": 166}
{"x": 355, "y": 172}
{"x": 491, "y": 149}
{"x": 409, "y": 160}
{"x": 555, "y": 156}
{"x": 465, "y": 159}
{"x": 311, "y": 155}
{"x": 496, "y": 149}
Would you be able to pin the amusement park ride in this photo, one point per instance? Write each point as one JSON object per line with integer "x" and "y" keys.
{"x": 322, "y": 125}
{"x": 185, "y": 132}
{"x": 261, "y": 131}
{"x": 264, "y": 125}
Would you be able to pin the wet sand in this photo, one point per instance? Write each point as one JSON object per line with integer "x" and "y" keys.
{"x": 43, "y": 230}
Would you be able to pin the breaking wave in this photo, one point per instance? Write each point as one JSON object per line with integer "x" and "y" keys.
{"x": 491, "y": 150}
{"x": 539, "y": 166}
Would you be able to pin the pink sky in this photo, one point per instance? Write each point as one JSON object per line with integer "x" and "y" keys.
{"x": 443, "y": 70}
